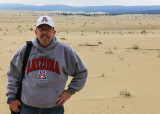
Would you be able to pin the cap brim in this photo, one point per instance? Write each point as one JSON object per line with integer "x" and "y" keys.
{"x": 44, "y": 24}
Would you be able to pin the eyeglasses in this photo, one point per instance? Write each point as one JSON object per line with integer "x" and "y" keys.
{"x": 45, "y": 29}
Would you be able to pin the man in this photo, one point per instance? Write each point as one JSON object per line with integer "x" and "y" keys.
{"x": 49, "y": 64}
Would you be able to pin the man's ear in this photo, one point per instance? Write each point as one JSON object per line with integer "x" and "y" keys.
{"x": 54, "y": 32}
{"x": 35, "y": 32}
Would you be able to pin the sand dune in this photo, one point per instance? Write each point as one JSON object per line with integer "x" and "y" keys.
{"x": 122, "y": 52}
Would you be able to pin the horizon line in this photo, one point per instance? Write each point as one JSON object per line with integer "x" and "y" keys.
{"x": 81, "y": 6}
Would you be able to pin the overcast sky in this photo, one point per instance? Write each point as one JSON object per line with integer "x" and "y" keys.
{"x": 85, "y": 2}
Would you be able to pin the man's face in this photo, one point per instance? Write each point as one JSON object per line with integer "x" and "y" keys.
{"x": 45, "y": 34}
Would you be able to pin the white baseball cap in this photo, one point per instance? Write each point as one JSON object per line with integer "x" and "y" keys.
{"x": 45, "y": 20}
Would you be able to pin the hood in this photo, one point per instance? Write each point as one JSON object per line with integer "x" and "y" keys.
{"x": 39, "y": 47}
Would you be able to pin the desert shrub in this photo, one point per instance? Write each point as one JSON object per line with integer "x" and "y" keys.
{"x": 135, "y": 46}
{"x": 124, "y": 93}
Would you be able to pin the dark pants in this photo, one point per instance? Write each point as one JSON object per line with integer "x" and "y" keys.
{"x": 32, "y": 110}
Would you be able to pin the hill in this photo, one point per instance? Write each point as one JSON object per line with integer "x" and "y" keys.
{"x": 87, "y": 9}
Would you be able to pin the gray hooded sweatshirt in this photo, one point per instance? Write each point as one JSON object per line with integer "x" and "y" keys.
{"x": 46, "y": 73}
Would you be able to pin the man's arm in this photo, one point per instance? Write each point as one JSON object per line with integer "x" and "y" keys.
{"x": 77, "y": 69}
{"x": 79, "y": 72}
{"x": 14, "y": 81}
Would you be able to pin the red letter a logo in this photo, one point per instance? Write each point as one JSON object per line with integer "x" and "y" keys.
{"x": 42, "y": 75}
{"x": 44, "y": 19}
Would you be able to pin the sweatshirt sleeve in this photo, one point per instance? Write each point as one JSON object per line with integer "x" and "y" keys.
{"x": 14, "y": 74}
{"x": 78, "y": 70}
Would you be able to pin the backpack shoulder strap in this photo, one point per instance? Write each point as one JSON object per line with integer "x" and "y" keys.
{"x": 26, "y": 56}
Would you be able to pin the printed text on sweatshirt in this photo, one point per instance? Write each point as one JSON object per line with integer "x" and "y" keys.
{"x": 43, "y": 64}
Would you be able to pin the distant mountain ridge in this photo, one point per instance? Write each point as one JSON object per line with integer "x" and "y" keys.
{"x": 107, "y": 9}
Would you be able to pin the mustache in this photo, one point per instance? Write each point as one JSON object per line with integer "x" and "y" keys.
{"x": 44, "y": 35}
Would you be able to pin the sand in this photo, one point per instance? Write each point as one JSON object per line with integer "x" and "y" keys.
{"x": 122, "y": 53}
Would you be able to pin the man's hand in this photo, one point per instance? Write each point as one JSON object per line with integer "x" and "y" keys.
{"x": 14, "y": 105}
{"x": 63, "y": 98}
